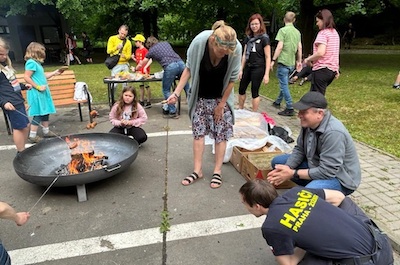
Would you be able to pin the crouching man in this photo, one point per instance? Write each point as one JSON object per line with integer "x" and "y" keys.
{"x": 304, "y": 226}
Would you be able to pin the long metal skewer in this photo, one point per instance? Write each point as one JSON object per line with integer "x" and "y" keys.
{"x": 44, "y": 193}
{"x": 59, "y": 137}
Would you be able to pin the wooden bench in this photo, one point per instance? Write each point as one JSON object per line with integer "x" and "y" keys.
{"x": 62, "y": 88}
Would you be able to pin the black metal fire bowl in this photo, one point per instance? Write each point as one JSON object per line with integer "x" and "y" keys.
{"x": 38, "y": 164}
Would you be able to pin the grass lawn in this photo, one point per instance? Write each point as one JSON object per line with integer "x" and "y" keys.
{"x": 362, "y": 98}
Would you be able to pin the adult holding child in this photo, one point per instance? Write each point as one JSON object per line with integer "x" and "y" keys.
{"x": 325, "y": 57}
{"x": 172, "y": 64}
{"x": 213, "y": 64}
{"x": 256, "y": 60}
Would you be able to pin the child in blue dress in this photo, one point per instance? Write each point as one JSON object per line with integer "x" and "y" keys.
{"x": 39, "y": 98}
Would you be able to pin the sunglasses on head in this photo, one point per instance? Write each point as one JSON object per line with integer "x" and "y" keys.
{"x": 229, "y": 44}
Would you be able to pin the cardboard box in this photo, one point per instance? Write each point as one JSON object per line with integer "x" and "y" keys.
{"x": 258, "y": 166}
{"x": 238, "y": 153}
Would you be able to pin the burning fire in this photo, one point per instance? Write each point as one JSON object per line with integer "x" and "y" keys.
{"x": 83, "y": 158}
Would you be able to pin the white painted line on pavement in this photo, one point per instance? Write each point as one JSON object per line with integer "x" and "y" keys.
{"x": 88, "y": 246}
{"x": 156, "y": 134}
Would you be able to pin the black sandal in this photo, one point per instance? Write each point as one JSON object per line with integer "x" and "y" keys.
{"x": 190, "y": 179}
{"x": 216, "y": 180}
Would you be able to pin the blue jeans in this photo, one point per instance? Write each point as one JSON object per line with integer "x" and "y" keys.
{"x": 332, "y": 184}
{"x": 283, "y": 73}
{"x": 4, "y": 257}
{"x": 172, "y": 71}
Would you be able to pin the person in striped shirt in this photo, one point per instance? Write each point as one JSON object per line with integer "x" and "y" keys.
{"x": 325, "y": 57}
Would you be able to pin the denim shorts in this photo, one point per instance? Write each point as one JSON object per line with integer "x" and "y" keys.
{"x": 18, "y": 121}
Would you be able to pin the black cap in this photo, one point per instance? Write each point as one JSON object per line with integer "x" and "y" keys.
{"x": 312, "y": 99}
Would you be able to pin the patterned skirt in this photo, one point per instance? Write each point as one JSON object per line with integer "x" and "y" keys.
{"x": 203, "y": 122}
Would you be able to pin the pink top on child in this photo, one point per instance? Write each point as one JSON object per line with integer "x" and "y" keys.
{"x": 330, "y": 38}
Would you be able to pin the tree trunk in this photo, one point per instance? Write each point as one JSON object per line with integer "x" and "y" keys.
{"x": 306, "y": 25}
{"x": 154, "y": 17}
{"x": 146, "y": 23}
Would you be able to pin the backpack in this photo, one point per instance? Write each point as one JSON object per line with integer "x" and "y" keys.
{"x": 281, "y": 133}
{"x": 81, "y": 92}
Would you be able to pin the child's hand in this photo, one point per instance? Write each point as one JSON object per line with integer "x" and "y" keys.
{"x": 133, "y": 69}
{"x": 9, "y": 106}
{"x": 41, "y": 88}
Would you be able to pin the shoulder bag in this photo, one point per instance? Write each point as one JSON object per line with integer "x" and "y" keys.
{"x": 112, "y": 61}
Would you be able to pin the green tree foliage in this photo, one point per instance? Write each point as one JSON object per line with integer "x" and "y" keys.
{"x": 180, "y": 20}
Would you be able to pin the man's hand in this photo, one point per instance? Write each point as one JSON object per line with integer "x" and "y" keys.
{"x": 280, "y": 174}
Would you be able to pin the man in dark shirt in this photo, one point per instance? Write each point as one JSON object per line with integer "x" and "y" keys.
{"x": 304, "y": 226}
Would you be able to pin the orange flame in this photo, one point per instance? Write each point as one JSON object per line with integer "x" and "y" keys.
{"x": 83, "y": 157}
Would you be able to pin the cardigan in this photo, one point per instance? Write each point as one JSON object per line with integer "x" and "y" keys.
{"x": 195, "y": 53}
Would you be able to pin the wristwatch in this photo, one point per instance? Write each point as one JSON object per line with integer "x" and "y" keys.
{"x": 295, "y": 174}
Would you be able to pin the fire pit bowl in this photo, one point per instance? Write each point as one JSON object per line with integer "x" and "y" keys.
{"x": 38, "y": 164}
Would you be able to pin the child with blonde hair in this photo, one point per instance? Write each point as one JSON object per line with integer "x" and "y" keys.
{"x": 11, "y": 100}
{"x": 39, "y": 97}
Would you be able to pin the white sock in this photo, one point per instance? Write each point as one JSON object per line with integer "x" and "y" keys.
{"x": 45, "y": 130}
{"x": 32, "y": 134}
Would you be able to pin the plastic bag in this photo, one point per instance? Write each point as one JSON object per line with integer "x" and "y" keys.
{"x": 250, "y": 132}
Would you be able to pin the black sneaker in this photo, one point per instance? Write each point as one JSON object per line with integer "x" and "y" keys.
{"x": 141, "y": 103}
{"x": 287, "y": 112}
{"x": 165, "y": 112}
{"x": 276, "y": 105}
{"x": 147, "y": 105}
{"x": 173, "y": 116}
{"x": 396, "y": 86}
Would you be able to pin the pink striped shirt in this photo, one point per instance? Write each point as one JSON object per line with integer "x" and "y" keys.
{"x": 330, "y": 38}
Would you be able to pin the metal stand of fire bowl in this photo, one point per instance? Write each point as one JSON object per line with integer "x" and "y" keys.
{"x": 81, "y": 191}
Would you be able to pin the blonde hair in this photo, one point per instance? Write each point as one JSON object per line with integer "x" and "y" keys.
{"x": 290, "y": 17}
{"x": 151, "y": 41}
{"x": 5, "y": 46}
{"x": 35, "y": 51}
{"x": 224, "y": 35}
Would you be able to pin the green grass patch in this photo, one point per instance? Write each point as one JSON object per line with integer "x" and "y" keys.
{"x": 362, "y": 98}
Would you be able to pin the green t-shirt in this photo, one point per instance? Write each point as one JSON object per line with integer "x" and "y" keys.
{"x": 290, "y": 36}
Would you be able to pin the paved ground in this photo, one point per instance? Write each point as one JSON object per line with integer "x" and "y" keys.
{"x": 120, "y": 223}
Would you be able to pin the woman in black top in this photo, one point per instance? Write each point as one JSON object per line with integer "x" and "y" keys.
{"x": 256, "y": 60}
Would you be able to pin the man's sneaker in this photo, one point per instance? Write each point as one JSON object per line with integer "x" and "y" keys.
{"x": 34, "y": 140}
{"x": 287, "y": 112}
{"x": 147, "y": 105}
{"x": 396, "y": 86}
{"x": 276, "y": 105}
